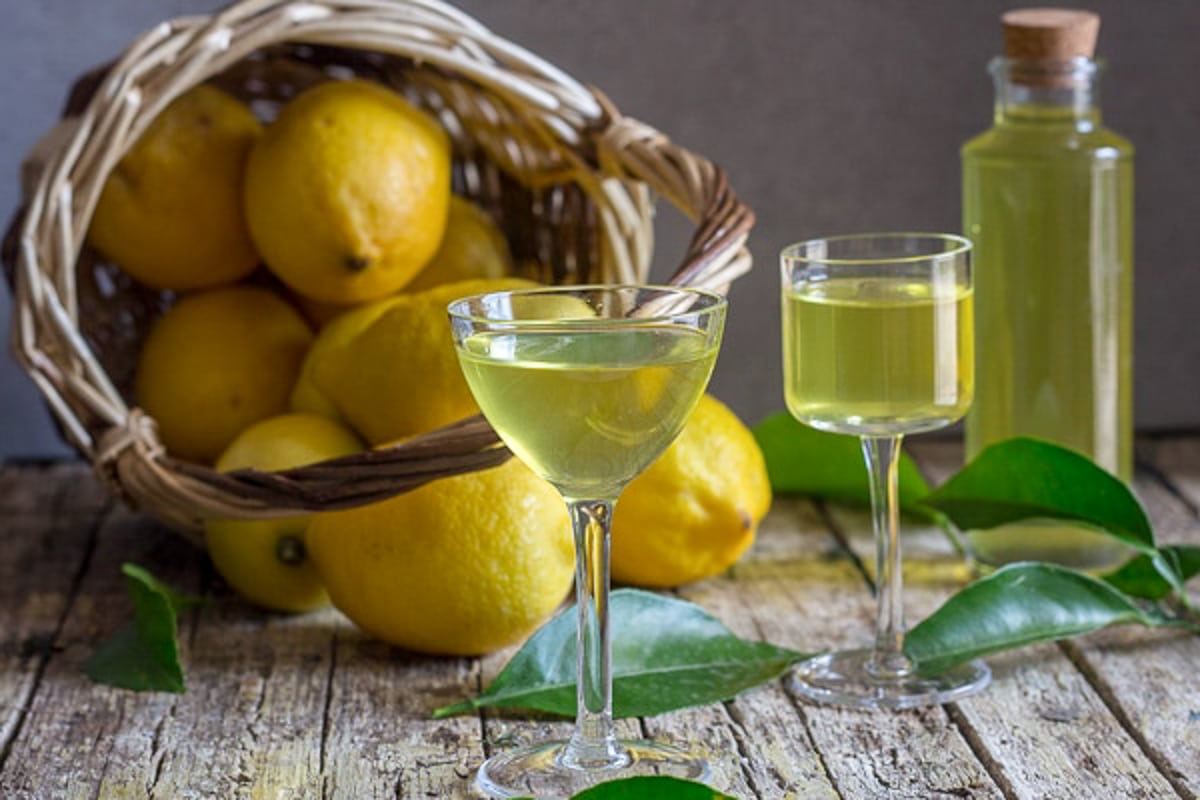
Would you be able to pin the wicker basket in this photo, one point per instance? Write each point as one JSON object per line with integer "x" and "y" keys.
{"x": 571, "y": 181}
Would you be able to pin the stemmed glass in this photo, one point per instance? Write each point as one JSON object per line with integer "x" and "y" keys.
{"x": 878, "y": 342}
{"x": 588, "y": 385}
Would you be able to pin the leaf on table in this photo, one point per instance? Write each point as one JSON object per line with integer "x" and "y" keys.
{"x": 651, "y": 788}
{"x": 667, "y": 654}
{"x": 804, "y": 460}
{"x": 1017, "y": 605}
{"x": 1026, "y": 478}
{"x": 143, "y": 654}
{"x": 1139, "y": 577}
{"x": 179, "y": 601}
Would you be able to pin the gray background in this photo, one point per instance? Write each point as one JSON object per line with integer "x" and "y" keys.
{"x": 830, "y": 116}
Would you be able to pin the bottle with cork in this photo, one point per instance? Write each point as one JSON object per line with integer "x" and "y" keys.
{"x": 1048, "y": 203}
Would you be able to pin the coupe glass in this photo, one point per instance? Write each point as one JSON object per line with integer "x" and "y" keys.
{"x": 588, "y": 385}
{"x": 878, "y": 341}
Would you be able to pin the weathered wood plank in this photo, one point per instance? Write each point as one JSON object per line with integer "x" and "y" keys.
{"x": 809, "y": 595}
{"x": 1049, "y": 730}
{"x": 308, "y": 707}
{"x": 242, "y": 725}
{"x": 764, "y": 746}
{"x": 707, "y": 730}
{"x": 44, "y": 543}
{"x": 1146, "y": 676}
{"x": 51, "y": 490}
{"x": 1179, "y": 459}
{"x": 79, "y": 735}
{"x": 505, "y": 730}
{"x": 380, "y": 740}
{"x": 250, "y": 723}
{"x": 1050, "y": 734}
{"x": 783, "y": 764}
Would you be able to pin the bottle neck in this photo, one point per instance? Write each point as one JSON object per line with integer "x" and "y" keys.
{"x": 1058, "y": 93}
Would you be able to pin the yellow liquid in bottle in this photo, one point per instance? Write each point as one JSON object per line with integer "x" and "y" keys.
{"x": 1047, "y": 200}
{"x": 876, "y": 356}
{"x": 588, "y": 411}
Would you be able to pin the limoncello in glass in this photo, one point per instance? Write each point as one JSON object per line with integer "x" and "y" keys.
{"x": 1048, "y": 203}
{"x": 587, "y": 385}
{"x": 878, "y": 356}
{"x": 588, "y": 411}
{"x": 878, "y": 343}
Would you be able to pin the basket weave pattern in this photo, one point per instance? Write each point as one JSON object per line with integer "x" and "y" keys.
{"x": 571, "y": 180}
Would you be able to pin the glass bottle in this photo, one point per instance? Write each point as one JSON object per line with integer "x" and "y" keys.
{"x": 1048, "y": 203}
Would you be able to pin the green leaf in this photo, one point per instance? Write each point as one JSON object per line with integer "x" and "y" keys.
{"x": 179, "y": 601}
{"x": 667, "y": 654}
{"x": 651, "y": 788}
{"x": 143, "y": 654}
{"x": 1139, "y": 577}
{"x": 1026, "y": 478}
{"x": 804, "y": 460}
{"x": 1017, "y": 605}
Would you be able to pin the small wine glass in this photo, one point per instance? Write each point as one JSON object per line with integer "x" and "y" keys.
{"x": 588, "y": 385}
{"x": 878, "y": 342}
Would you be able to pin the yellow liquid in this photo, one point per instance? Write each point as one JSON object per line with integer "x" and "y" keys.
{"x": 588, "y": 411}
{"x": 878, "y": 356}
{"x": 1048, "y": 202}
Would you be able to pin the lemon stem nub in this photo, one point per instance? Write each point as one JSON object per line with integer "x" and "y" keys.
{"x": 357, "y": 263}
{"x": 290, "y": 550}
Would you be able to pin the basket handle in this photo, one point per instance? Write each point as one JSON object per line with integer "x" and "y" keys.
{"x": 717, "y": 253}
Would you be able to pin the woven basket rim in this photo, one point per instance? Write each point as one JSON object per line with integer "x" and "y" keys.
{"x": 616, "y": 160}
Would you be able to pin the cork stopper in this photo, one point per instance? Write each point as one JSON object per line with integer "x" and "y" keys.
{"x": 1049, "y": 34}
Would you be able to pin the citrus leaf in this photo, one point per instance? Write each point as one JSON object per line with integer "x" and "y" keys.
{"x": 804, "y": 460}
{"x": 1017, "y": 605}
{"x": 651, "y": 788}
{"x": 1140, "y": 577}
{"x": 1025, "y": 478}
{"x": 667, "y": 654}
{"x": 179, "y": 601}
{"x": 143, "y": 654}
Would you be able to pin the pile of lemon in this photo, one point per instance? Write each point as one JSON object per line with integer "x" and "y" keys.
{"x": 313, "y": 259}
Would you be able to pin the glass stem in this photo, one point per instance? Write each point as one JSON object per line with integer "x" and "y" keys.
{"x": 594, "y": 743}
{"x": 882, "y": 454}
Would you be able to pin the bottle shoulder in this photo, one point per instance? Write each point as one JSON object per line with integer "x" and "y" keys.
{"x": 1059, "y": 141}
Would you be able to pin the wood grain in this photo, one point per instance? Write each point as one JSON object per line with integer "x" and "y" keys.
{"x": 1057, "y": 720}
{"x": 46, "y": 544}
{"x": 308, "y": 707}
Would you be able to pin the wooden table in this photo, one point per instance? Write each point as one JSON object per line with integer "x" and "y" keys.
{"x": 306, "y": 707}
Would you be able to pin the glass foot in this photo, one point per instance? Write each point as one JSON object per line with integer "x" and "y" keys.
{"x": 845, "y": 679}
{"x": 539, "y": 771}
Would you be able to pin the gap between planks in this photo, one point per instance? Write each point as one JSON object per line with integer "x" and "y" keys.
{"x": 100, "y": 515}
{"x": 1087, "y": 655}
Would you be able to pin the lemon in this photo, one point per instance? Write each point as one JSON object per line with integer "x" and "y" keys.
{"x": 266, "y": 561}
{"x": 695, "y": 510}
{"x": 461, "y": 566}
{"x": 333, "y": 338}
{"x": 215, "y": 363}
{"x": 473, "y": 247}
{"x": 346, "y": 192}
{"x": 389, "y": 369}
{"x": 170, "y": 213}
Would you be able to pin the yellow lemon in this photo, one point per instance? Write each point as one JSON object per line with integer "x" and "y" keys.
{"x": 347, "y": 191}
{"x": 266, "y": 561}
{"x": 217, "y": 362}
{"x": 473, "y": 247}
{"x": 170, "y": 213}
{"x": 461, "y": 566}
{"x": 333, "y": 338}
{"x": 695, "y": 510}
{"x": 390, "y": 370}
